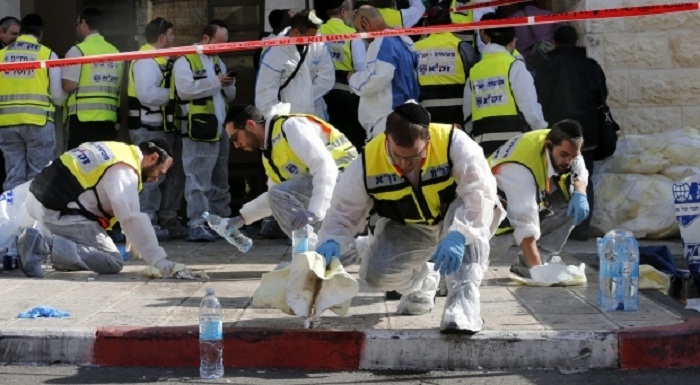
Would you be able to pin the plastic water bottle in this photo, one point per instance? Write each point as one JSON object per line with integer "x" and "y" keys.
{"x": 618, "y": 253}
{"x": 301, "y": 239}
{"x": 630, "y": 273}
{"x": 211, "y": 345}
{"x": 230, "y": 233}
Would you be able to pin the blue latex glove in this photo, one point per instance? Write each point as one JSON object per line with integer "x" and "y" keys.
{"x": 578, "y": 207}
{"x": 449, "y": 253}
{"x": 303, "y": 218}
{"x": 329, "y": 249}
{"x": 43, "y": 311}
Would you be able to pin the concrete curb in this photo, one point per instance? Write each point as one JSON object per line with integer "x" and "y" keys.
{"x": 425, "y": 350}
{"x": 642, "y": 348}
{"x": 47, "y": 346}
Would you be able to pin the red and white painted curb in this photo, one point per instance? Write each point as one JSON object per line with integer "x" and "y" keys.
{"x": 658, "y": 347}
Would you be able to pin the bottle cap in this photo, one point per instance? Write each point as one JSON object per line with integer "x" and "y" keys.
{"x": 210, "y": 291}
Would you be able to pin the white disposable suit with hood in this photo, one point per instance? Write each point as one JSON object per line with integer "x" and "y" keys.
{"x": 305, "y": 91}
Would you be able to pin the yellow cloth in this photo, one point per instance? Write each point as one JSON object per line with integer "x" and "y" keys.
{"x": 650, "y": 278}
{"x": 305, "y": 288}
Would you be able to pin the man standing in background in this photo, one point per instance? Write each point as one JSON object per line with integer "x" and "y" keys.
{"x": 93, "y": 102}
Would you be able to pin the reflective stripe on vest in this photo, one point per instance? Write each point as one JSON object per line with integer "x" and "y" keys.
{"x": 494, "y": 109}
{"x": 282, "y": 163}
{"x": 393, "y": 195}
{"x": 97, "y": 97}
{"x": 140, "y": 115}
{"x": 24, "y": 94}
{"x": 528, "y": 150}
{"x": 440, "y": 70}
{"x": 202, "y": 112}
{"x": 392, "y": 17}
{"x": 79, "y": 170}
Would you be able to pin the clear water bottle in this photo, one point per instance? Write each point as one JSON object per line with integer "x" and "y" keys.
{"x": 211, "y": 345}
{"x": 301, "y": 239}
{"x": 618, "y": 253}
{"x": 226, "y": 230}
{"x": 630, "y": 274}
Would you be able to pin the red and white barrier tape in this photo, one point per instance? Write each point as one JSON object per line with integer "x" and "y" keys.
{"x": 247, "y": 45}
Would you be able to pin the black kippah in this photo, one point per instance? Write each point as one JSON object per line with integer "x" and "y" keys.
{"x": 414, "y": 113}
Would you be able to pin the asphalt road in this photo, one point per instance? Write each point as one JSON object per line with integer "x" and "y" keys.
{"x": 30, "y": 375}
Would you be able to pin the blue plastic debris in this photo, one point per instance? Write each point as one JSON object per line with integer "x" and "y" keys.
{"x": 44, "y": 311}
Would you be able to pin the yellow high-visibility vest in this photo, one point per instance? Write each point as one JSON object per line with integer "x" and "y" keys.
{"x": 24, "y": 94}
{"x": 282, "y": 163}
{"x": 136, "y": 109}
{"x": 97, "y": 97}
{"x": 393, "y": 195}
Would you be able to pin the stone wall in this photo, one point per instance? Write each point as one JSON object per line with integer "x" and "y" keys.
{"x": 652, "y": 66}
{"x": 188, "y": 16}
{"x": 9, "y": 8}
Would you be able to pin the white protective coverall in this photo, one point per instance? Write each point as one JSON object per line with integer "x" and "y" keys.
{"x": 523, "y": 212}
{"x": 305, "y": 91}
{"x": 389, "y": 80}
{"x": 205, "y": 163}
{"x": 76, "y": 243}
{"x": 309, "y": 191}
{"x": 397, "y": 255}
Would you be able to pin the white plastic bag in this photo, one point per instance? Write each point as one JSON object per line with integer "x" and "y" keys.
{"x": 14, "y": 216}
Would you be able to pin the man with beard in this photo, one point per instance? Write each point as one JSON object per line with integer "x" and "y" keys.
{"x": 82, "y": 193}
{"x": 302, "y": 155}
{"x": 542, "y": 179}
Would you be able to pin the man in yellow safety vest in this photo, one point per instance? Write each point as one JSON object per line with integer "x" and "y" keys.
{"x": 93, "y": 101}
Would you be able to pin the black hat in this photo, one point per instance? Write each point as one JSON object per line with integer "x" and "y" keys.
{"x": 414, "y": 113}
{"x": 334, "y": 4}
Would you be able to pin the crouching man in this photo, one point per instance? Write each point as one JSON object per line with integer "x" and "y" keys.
{"x": 85, "y": 191}
{"x": 436, "y": 197}
{"x": 542, "y": 181}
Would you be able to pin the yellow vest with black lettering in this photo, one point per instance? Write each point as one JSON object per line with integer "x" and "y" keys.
{"x": 392, "y": 17}
{"x": 461, "y": 17}
{"x": 203, "y": 124}
{"x": 79, "y": 170}
{"x": 97, "y": 97}
{"x": 282, "y": 163}
{"x": 392, "y": 193}
{"x": 495, "y": 114}
{"x": 441, "y": 77}
{"x": 138, "y": 110}
{"x": 24, "y": 94}
{"x": 528, "y": 150}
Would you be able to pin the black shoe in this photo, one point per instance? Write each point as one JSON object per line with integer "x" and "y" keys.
{"x": 452, "y": 328}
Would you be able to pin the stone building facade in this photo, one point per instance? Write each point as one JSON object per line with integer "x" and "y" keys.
{"x": 652, "y": 63}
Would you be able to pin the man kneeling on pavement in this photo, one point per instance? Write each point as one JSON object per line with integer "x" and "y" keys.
{"x": 302, "y": 155}
{"x": 542, "y": 181}
{"x": 85, "y": 191}
{"x": 435, "y": 196}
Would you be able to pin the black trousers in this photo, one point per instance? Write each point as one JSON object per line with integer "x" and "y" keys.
{"x": 342, "y": 114}
{"x": 81, "y": 132}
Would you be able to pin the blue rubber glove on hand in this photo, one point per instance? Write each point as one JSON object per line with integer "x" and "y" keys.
{"x": 329, "y": 249}
{"x": 449, "y": 253}
{"x": 578, "y": 207}
{"x": 303, "y": 218}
